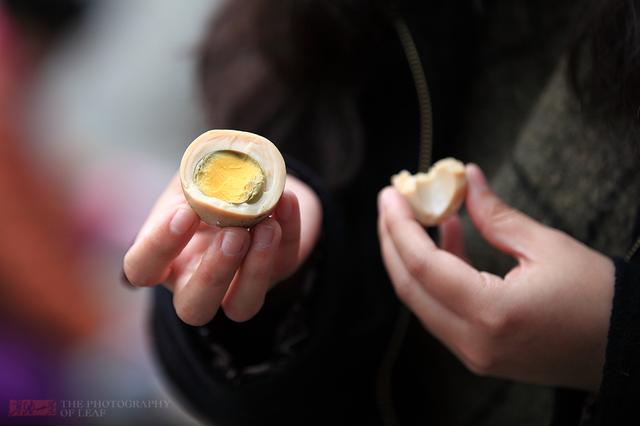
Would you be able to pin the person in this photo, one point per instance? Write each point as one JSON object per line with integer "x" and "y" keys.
{"x": 295, "y": 321}
{"x": 49, "y": 302}
{"x": 45, "y": 308}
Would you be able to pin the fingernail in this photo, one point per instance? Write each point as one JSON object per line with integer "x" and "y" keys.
{"x": 285, "y": 208}
{"x": 263, "y": 237}
{"x": 182, "y": 220}
{"x": 232, "y": 243}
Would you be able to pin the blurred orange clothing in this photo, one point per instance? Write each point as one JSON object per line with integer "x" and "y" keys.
{"x": 42, "y": 289}
{"x": 41, "y": 286}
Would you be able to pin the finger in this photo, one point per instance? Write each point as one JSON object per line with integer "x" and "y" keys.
{"x": 310, "y": 215}
{"x": 440, "y": 320}
{"x": 504, "y": 227}
{"x": 148, "y": 260}
{"x": 171, "y": 197}
{"x": 183, "y": 267}
{"x": 288, "y": 216}
{"x": 247, "y": 291}
{"x": 442, "y": 275}
{"x": 197, "y": 301}
{"x": 451, "y": 236}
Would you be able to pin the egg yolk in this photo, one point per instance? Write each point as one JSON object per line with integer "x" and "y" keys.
{"x": 230, "y": 176}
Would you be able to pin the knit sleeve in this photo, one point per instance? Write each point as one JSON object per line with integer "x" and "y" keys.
{"x": 619, "y": 396}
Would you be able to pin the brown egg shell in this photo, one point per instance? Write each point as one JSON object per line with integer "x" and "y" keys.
{"x": 216, "y": 212}
{"x": 410, "y": 186}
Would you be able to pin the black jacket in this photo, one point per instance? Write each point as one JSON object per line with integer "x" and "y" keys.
{"x": 322, "y": 350}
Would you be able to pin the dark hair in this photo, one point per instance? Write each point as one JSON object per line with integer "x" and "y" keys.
{"x": 290, "y": 69}
{"x": 46, "y": 19}
{"x": 604, "y": 65}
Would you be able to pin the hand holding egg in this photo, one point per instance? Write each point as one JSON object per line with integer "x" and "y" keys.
{"x": 549, "y": 312}
{"x": 196, "y": 240}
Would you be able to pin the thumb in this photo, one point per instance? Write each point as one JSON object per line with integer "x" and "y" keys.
{"x": 505, "y": 228}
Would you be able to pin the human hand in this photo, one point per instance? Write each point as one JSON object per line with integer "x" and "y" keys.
{"x": 545, "y": 322}
{"x": 209, "y": 267}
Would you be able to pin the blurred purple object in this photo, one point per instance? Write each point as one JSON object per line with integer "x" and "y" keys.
{"x": 28, "y": 371}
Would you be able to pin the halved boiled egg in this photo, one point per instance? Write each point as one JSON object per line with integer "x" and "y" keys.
{"x": 436, "y": 195}
{"x": 232, "y": 178}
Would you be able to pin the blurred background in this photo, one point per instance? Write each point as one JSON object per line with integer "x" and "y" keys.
{"x": 97, "y": 102}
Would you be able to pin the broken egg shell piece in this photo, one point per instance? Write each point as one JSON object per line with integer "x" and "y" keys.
{"x": 217, "y": 212}
{"x": 436, "y": 195}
